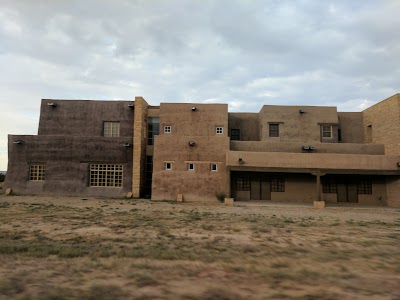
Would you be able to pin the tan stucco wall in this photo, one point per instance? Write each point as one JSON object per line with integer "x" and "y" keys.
{"x": 351, "y": 125}
{"x": 383, "y": 121}
{"x": 295, "y": 126}
{"x": 393, "y": 191}
{"x": 313, "y": 161}
{"x": 266, "y": 146}
{"x": 247, "y": 123}
{"x": 199, "y": 127}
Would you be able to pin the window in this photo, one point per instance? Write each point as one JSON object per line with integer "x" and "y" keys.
{"x": 214, "y": 167}
{"x": 277, "y": 185}
{"x": 190, "y": 166}
{"x": 106, "y": 175}
{"x": 168, "y": 166}
{"x": 219, "y": 130}
{"x": 364, "y": 187}
{"x": 37, "y": 172}
{"x": 329, "y": 186}
{"x": 326, "y": 131}
{"x": 274, "y": 130}
{"x": 243, "y": 183}
{"x": 235, "y": 134}
{"x": 167, "y": 129}
{"x": 153, "y": 129}
{"x": 111, "y": 129}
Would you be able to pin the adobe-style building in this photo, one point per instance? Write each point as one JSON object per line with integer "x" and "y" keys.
{"x": 282, "y": 153}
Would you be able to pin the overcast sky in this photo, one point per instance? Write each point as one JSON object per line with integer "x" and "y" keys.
{"x": 245, "y": 53}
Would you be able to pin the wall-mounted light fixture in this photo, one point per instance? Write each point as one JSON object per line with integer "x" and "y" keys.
{"x": 191, "y": 143}
{"x": 398, "y": 164}
{"x": 301, "y": 111}
{"x": 131, "y": 105}
{"x": 18, "y": 142}
{"x": 241, "y": 161}
{"x": 194, "y": 108}
{"x": 51, "y": 104}
{"x": 127, "y": 145}
{"x": 308, "y": 148}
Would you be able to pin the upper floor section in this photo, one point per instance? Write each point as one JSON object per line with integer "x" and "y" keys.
{"x": 86, "y": 118}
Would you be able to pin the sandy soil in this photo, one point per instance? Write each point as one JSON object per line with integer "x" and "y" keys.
{"x": 87, "y": 248}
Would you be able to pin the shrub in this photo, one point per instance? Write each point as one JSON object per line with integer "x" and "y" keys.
{"x": 220, "y": 196}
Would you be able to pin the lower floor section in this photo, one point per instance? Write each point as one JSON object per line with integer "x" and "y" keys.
{"x": 306, "y": 188}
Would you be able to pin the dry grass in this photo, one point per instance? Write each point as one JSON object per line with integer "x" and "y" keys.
{"x": 71, "y": 248}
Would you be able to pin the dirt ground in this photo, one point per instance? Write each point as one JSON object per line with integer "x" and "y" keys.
{"x": 86, "y": 248}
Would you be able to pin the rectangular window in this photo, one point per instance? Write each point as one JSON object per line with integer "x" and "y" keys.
{"x": 167, "y": 129}
{"x": 277, "y": 185}
{"x": 235, "y": 134}
{"x": 214, "y": 167}
{"x": 329, "y": 186}
{"x": 326, "y": 131}
{"x": 243, "y": 183}
{"x": 168, "y": 166}
{"x": 190, "y": 166}
{"x": 273, "y": 130}
{"x": 37, "y": 172}
{"x": 219, "y": 130}
{"x": 153, "y": 129}
{"x": 111, "y": 129}
{"x": 364, "y": 187}
{"x": 106, "y": 175}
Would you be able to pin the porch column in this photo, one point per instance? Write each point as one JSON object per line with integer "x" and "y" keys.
{"x": 318, "y": 175}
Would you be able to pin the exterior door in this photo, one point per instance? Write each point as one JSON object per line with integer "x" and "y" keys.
{"x": 260, "y": 189}
{"x": 347, "y": 192}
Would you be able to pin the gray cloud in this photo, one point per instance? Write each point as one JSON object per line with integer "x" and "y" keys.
{"x": 245, "y": 53}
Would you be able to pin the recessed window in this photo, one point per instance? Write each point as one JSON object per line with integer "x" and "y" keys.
{"x": 108, "y": 175}
{"x": 329, "y": 186}
{"x": 219, "y": 130}
{"x": 326, "y": 131}
{"x": 364, "y": 187}
{"x": 190, "y": 166}
{"x": 243, "y": 183}
{"x": 153, "y": 129}
{"x": 168, "y": 166}
{"x": 214, "y": 167}
{"x": 37, "y": 172}
{"x": 273, "y": 130}
{"x": 111, "y": 129}
{"x": 235, "y": 134}
{"x": 167, "y": 129}
{"x": 277, "y": 185}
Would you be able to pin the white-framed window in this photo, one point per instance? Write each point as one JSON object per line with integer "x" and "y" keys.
{"x": 219, "y": 130}
{"x": 167, "y": 129}
{"x": 109, "y": 175}
{"x": 111, "y": 129}
{"x": 214, "y": 167}
{"x": 326, "y": 131}
{"x": 168, "y": 165}
{"x": 190, "y": 166}
{"x": 37, "y": 172}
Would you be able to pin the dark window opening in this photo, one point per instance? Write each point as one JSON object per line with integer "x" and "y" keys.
{"x": 274, "y": 130}
{"x": 153, "y": 129}
{"x": 277, "y": 184}
{"x": 329, "y": 186}
{"x": 235, "y": 134}
{"x": 243, "y": 183}
{"x": 364, "y": 187}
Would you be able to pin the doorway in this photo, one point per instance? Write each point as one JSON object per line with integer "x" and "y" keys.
{"x": 347, "y": 192}
{"x": 260, "y": 189}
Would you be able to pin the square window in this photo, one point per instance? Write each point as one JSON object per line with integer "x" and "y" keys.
{"x": 167, "y": 129}
{"x": 190, "y": 166}
{"x": 273, "y": 130}
{"x": 277, "y": 185}
{"x": 37, "y": 172}
{"x": 364, "y": 187}
{"x": 106, "y": 175}
{"x": 214, "y": 167}
{"x": 111, "y": 129}
{"x": 219, "y": 130}
{"x": 326, "y": 131}
{"x": 168, "y": 166}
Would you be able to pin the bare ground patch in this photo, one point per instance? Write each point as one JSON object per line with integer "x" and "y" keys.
{"x": 75, "y": 248}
